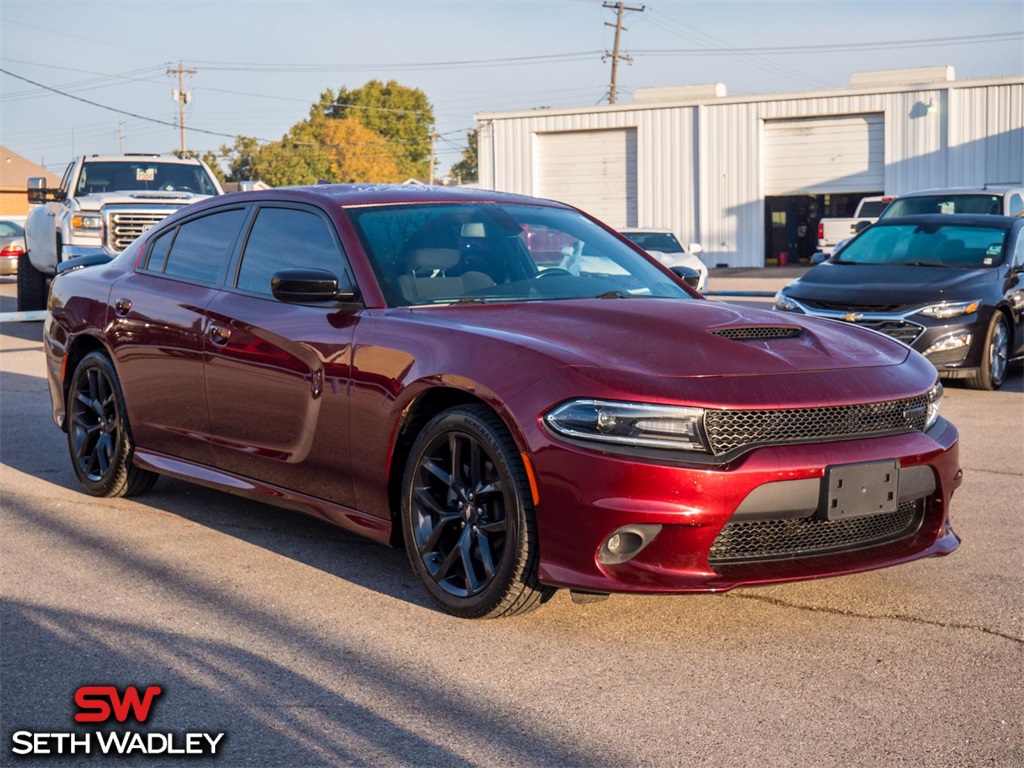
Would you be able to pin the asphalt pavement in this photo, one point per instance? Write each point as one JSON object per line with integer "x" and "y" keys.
{"x": 306, "y": 645}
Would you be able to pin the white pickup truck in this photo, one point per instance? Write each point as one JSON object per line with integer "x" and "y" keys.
{"x": 102, "y": 204}
{"x": 831, "y": 232}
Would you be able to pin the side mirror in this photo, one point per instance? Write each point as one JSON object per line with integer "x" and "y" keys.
{"x": 310, "y": 285}
{"x": 819, "y": 257}
{"x": 38, "y": 193}
{"x": 695, "y": 248}
{"x": 860, "y": 226}
{"x": 690, "y": 276}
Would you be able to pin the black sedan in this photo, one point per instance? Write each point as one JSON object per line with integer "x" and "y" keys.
{"x": 951, "y": 287}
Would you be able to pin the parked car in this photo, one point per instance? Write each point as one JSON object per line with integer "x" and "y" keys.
{"x": 663, "y": 245}
{"x": 998, "y": 200}
{"x": 395, "y": 361}
{"x": 951, "y": 287}
{"x": 12, "y": 245}
{"x": 833, "y": 232}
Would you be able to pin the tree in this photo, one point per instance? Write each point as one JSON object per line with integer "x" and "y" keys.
{"x": 239, "y": 158}
{"x": 467, "y": 168}
{"x": 212, "y": 159}
{"x": 355, "y": 153}
{"x": 400, "y": 114}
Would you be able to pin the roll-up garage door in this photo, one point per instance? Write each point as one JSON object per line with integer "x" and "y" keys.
{"x": 820, "y": 155}
{"x": 593, "y": 170}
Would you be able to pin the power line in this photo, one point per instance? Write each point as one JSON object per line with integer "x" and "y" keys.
{"x": 118, "y": 111}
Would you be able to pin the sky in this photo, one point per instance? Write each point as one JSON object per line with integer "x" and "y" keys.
{"x": 260, "y": 64}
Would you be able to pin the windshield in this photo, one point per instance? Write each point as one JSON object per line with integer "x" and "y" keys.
{"x": 655, "y": 241}
{"x": 911, "y": 206}
{"x": 143, "y": 175}
{"x": 491, "y": 252}
{"x": 929, "y": 245}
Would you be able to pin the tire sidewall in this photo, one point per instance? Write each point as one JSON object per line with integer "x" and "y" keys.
{"x": 989, "y": 381}
{"x": 507, "y": 571}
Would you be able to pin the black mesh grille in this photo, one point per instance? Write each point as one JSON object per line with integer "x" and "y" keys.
{"x": 729, "y": 430}
{"x": 754, "y": 540}
{"x": 850, "y": 306}
{"x": 898, "y": 329}
{"x": 758, "y": 332}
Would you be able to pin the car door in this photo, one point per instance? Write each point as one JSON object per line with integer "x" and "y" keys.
{"x": 158, "y": 328}
{"x": 1014, "y": 292}
{"x": 277, "y": 373}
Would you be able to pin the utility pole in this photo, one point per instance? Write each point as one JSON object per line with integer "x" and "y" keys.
{"x": 181, "y": 96}
{"x": 615, "y": 55}
{"x": 433, "y": 139}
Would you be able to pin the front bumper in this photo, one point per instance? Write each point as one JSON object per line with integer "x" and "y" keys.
{"x": 586, "y": 496}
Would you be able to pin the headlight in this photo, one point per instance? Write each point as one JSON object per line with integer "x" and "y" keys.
{"x": 934, "y": 402}
{"x": 629, "y": 424}
{"x": 87, "y": 222}
{"x": 955, "y": 309}
{"x": 786, "y": 304}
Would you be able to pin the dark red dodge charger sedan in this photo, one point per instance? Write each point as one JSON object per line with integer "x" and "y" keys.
{"x": 502, "y": 385}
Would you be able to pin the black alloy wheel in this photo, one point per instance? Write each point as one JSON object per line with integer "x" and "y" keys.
{"x": 99, "y": 438}
{"x": 995, "y": 357}
{"x": 467, "y": 517}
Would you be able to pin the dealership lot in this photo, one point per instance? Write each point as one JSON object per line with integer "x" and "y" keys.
{"x": 306, "y": 645}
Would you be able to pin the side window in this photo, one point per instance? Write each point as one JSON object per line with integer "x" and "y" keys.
{"x": 158, "y": 252}
{"x": 1016, "y": 205}
{"x": 1018, "y": 254}
{"x": 286, "y": 238}
{"x": 203, "y": 246}
{"x": 65, "y": 182}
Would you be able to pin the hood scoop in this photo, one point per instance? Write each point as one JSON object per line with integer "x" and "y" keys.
{"x": 161, "y": 195}
{"x": 759, "y": 332}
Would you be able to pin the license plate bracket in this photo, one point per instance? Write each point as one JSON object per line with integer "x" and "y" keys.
{"x": 858, "y": 490}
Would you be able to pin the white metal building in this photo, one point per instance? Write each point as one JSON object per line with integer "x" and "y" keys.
{"x": 704, "y": 164}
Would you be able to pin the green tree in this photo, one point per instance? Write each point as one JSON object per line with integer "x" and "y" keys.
{"x": 212, "y": 159}
{"x": 400, "y": 114}
{"x": 239, "y": 158}
{"x": 467, "y": 168}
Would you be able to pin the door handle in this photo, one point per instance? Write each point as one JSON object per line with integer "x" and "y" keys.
{"x": 122, "y": 307}
{"x": 220, "y": 335}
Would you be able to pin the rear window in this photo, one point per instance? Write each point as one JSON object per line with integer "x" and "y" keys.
{"x": 911, "y": 206}
{"x": 873, "y": 208}
{"x": 655, "y": 241}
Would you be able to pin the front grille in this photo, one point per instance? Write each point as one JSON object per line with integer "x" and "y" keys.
{"x": 758, "y": 333}
{"x": 750, "y": 541}
{"x": 729, "y": 430}
{"x": 124, "y": 227}
{"x": 900, "y": 330}
{"x": 852, "y": 306}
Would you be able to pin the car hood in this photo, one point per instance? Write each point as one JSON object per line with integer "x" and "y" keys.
{"x": 678, "y": 259}
{"x": 153, "y": 197}
{"x": 875, "y": 284}
{"x": 666, "y": 337}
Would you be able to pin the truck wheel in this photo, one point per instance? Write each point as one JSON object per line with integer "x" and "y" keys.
{"x": 31, "y": 286}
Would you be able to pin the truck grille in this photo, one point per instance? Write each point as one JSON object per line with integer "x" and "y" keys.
{"x": 124, "y": 227}
{"x": 748, "y": 541}
{"x": 729, "y": 430}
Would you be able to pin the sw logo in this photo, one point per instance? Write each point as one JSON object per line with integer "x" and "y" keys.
{"x": 104, "y": 704}
{"x": 99, "y": 702}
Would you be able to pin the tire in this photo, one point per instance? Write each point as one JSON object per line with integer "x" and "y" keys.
{"x": 995, "y": 357}
{"x": 31, "y": 286}
{"x": 467, "y": 517}
{"x": 99, "y": 436}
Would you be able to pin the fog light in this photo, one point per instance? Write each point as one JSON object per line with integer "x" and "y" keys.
{"x": 626, "y": 543}
{"x": 947, "y": 343}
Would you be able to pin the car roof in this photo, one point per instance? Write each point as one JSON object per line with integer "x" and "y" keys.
{"x": 993, "y": 189}
{"x": 141, "y": 158}
{"x": 952, "y": 219}
{"x": 355, "y": 195}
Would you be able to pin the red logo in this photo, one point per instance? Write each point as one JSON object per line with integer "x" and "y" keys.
{"x": 97, "y": 703}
